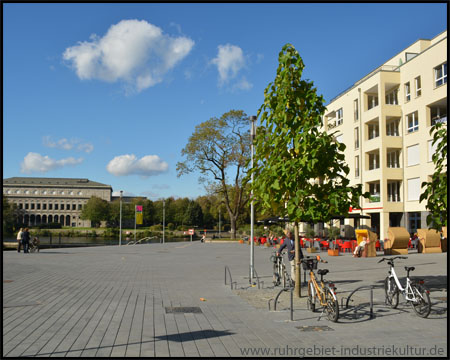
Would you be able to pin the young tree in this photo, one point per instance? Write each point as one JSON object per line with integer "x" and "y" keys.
{"x": 9, "y": 214}
{"x": 435, "y": 191}
{"x": 219, "y": 149}
{"x": 96, "y": 210}
{"x": 299, "y": 169}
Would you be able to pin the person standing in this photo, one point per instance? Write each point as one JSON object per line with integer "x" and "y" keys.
{"x": 290, "y": 244}
{"x": 26, "y": 240}
{"x": 19, "y": 239}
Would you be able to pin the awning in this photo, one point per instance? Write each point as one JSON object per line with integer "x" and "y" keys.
{"x": 273, "y": 220}
{"x": 351, "y": 216}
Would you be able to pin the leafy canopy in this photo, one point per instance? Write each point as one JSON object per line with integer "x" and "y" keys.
{"x": 296, "y": 163}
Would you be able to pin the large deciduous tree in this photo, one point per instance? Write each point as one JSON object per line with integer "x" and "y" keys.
{"x": 219, "y": 149}
{"x": 299, "y": 169}
{"x": 96, "y": 210}
{"x": 435, "y": 191}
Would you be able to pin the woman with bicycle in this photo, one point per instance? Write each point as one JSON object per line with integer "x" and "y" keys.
{"x": 290, "y": 244}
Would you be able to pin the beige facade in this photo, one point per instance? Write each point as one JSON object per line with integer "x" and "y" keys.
{"x": 46, "y": 200}
{"x": 384, "y": 120}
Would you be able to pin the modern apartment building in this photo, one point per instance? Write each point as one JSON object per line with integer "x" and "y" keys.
{"x": 47, "y": 200}
{"x": 384, "y": 119}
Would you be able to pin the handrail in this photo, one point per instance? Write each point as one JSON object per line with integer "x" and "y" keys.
{"x": 140, "y": 240}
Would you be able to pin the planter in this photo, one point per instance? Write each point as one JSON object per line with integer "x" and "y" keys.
{"x": 311, "y": 250}
{"x": 333, "y": 252}
{"x": 241, "y": 241}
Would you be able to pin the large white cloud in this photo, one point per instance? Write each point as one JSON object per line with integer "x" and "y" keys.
{"x": 34, "y": 162}
{"x": 229, "y": 61}
{"x": 132, "y": 51}
{"x": 148, "y": 165}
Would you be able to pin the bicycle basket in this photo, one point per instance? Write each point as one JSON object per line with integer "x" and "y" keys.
{"x": 310, "y": 264}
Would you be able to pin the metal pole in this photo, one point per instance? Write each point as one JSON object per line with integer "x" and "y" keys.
{"x": 120, "y": 231}
{"x": 219, "y": 222}
{"x": 135, "y": 224}
{"x": 252, "y": 208}
{"x": 164, "y": 218}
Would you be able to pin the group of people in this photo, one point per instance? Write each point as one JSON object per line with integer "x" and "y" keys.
{"x": 23, "y": 240}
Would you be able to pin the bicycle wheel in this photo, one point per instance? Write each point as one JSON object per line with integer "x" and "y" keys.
{"x": 310, "y": 301}
{"x": 276, "y": 276}
{"x": 283, "y": 276}
{"x": 332, "y": 307}
{"x": 391, "y": 290}
{"x": 421, "y": 304}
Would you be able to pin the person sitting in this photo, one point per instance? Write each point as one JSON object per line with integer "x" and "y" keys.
{"x": 360, "y": 247}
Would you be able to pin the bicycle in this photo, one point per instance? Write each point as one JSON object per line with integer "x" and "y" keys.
{"x": 414, "y": 292}
{"x": 280, "y": 274}
{"x": 325, "y": 292}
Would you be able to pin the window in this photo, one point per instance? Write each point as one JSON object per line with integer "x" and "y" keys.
{"x": 356, "y": 166}
{"x": 355, "y": 110}
{"x": 374, "y": 161}
{"x": 44, "y": 206}
{"x": 32, "y": 206}
{"x": 27, "y": 192}
{"x": 407, "y": 92}
{"x": 339, "y": 117}
{"x": 62, "y": 192}
{"x": 440, "y": 75}
{"x": 393, "y": 191}
{"x": 67, "y": 206}
{"x": 372, "y": 101}
{"x": 357, "y": 138}
{"x": 393, "y": 159}
{"x": 21, "y": 206}
{"x": 50, "y": 206}
{"x": 374, "y": 131}
{"x": 414, "y": 221}
{"x": 56, "y": 206}
{"x": 80, "y": 193}
{"x": 374, "y": 190}
{"x": 35, "y": 192}
{"x": 391, "y": 97}
{"x": 71, "y": 193}
{"x": 38, "y": 206}
{"x": 44, "y": 192}
{"x": 413, "y": 155}
{"x": 413, "y": 189}
{"x": 26, "y": 206}
{"x": 412, "y": 122}
{"x": 438, "y": 114}
{"x": 74, "y": 206}
{"x": 79, "y": 206}
{"x": 392, "y": 127}
{"x": 418, "y": 86}
{"x": 54, "y": 192}
{"x": 339, "y": 138}
{"x": 17, "y": 191}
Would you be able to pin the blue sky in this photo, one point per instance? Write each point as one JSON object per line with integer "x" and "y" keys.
{"x": 112, "y": 92}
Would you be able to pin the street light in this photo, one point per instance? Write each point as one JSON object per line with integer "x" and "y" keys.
{"x": 252, "y": 208}
{"x": 164, "y": 218}
{"x": 120, "y": 231}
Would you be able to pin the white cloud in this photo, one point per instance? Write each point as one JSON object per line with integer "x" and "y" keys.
{"x": 230, "y": 59}
{"x": 34, "y": 162}
{"x": 243, "y": 84}
{"x": 135, "y": 52}
{"x": 67, "y": 144}
{"x": 148, "y": 165}
{"x": 125, "y": 193}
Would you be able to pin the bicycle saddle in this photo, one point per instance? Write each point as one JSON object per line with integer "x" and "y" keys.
{"x": 410, "y": 268}
{"x": 323, "y": 271}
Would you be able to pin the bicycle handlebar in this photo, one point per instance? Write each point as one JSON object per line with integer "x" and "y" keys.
{"x": 392, "y": 259}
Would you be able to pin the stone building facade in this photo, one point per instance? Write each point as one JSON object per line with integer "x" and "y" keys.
{"x": 49, "y": 200}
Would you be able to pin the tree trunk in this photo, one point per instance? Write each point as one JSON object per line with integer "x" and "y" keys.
{"x": 297, "y": 290}
{"x": 233, "y": 225}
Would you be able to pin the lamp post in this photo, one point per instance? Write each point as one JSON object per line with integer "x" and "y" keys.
{"x": 120, "y": 231}
{"x": 219, "y": 222}
{"x": 164, "y": 218}
{"x": 252, "y": 209}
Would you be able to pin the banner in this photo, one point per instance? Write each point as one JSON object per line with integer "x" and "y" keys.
{"x": 139, "y": 215}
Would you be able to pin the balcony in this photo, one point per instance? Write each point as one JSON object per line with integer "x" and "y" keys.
{"x": 436, "y": 120}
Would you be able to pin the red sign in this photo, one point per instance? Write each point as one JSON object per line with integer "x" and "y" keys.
{"x": 191, "y": 231}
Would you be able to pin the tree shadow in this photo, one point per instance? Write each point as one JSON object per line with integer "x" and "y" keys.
{"x": 194, "y": 335}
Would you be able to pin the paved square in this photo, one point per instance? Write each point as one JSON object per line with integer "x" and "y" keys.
{"x": 112, "y": 301}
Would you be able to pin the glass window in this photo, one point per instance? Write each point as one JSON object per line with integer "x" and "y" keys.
{"x": 56, "y": 206}
{"x": 357, "y": 166}
{"x": 50, "y": 206}
{"x": 373, "y": 131}
{"x": 74, "y": 206}
{"x": 413, "y": 189}
{"x": 418, "y": 86}
{"x": 413, "y": 155}
{"x": 38, "y": 206}
{"x": 67, "y": 206}
{"x": 357, "y": 138}
{"x": 79, "y": 206}
{"x": 372, "y": 101}
{"x": 393, "y": 191}
{"x": 339, "y": 116}
{"x": 407, "y": 92}
{"x": 414, "y": 222}
{"x": 391, "y": 97}
{"x": 32, "y": 206}
{"x": 374, "y": 190}
{"x": 44, "y": 206}
{"x": 440, "y": 74}
{"x": 355, "y": 110}
{"x": 393, "y": 159}
{"x": 26, "y": 206}
{"x": 412, "y": 122}
{"x": 374, "y": 161}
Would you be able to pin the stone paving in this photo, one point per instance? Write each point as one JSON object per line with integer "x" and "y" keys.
{"x": 115, "y": 301}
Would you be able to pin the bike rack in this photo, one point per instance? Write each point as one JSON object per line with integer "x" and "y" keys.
{"x": 291, "y": 289}
{"x": 256, "y": 275}
{"x": 231, "y": 279}
{"x": 140, "y": 240}
{"x": 365, "y": 287}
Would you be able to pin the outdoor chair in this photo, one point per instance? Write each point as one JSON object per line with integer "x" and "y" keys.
{"x": 369, "y": 249}
{"x": 397, "y": 242}
{"x": 429, "y": 241}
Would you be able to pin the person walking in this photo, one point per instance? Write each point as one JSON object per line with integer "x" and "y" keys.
{"x": 290, "y": 244}
{"x": 19, "y": 239}
{"x": 26, "y": 240}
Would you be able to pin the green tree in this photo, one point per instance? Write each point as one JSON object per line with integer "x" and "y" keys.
{"x": 9, "y": 214}
{"x": 219, "y": 149}
{"x": 96, "y": 210}
{"x": 435, "y": 191}
{"x": 296, "y": 164}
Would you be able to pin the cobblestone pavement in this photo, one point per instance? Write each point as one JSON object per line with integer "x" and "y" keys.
{"x": 171, "y": 300}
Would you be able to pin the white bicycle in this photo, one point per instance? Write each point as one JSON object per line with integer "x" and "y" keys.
{"x": 414, "y": 292}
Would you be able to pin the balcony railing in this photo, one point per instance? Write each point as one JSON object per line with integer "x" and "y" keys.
{"x": 436, "y": 120}
{"x": 374, "y": 198}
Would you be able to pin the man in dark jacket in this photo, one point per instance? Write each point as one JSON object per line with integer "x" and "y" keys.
{"x": 26, "y": 240}
{"x": 289, "y": 243}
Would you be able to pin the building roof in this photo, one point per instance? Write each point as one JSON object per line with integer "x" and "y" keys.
{"x": 36, "y": 181}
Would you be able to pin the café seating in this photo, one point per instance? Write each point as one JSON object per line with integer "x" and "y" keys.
{"x": 397, "y": 242}
{"x": 369, "y": 249}
{"x": 429, "y": 241}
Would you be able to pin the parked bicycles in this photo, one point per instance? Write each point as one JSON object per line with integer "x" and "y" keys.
{"x": 324, "y": 292}
{"x": 414, "y": 292}
{"x": 280, "y": 275}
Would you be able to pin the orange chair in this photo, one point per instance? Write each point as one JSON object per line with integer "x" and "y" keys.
{"x": 347, "y": 246}
{"x": 377, "y": 245}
